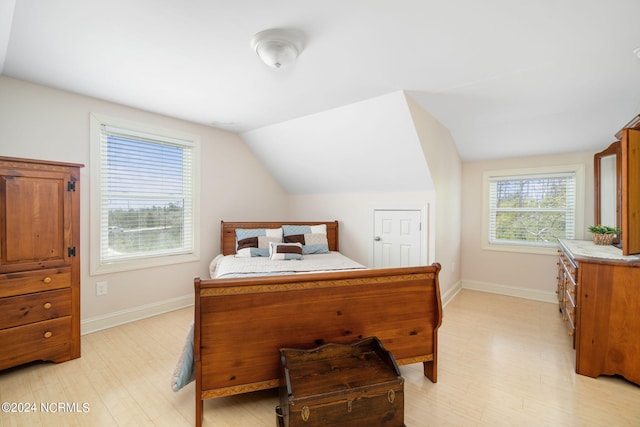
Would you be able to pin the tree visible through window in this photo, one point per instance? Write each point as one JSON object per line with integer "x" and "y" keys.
{"x": 532, "y": 209}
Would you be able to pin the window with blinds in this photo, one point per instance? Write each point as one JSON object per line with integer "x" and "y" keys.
{"x": 533, "y": 209}
{"x": 146, "y": 192}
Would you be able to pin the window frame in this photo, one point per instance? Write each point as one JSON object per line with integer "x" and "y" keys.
{"x": 532, "y": 248}
{"x": 97, "y": 266}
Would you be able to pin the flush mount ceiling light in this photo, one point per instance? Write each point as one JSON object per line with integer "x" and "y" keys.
{"x": 277, "y": 48}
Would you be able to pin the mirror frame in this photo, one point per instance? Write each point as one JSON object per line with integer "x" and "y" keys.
{"x": 613, "y": 149}
{"x": 630, "y": 158}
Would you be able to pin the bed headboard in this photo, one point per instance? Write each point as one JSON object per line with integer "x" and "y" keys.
{"x": 228, "y": 232}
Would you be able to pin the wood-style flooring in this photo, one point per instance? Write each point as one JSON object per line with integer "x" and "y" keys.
{"x": 502, "y": 361}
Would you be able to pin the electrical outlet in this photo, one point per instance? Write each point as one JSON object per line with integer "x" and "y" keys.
{"x": 101, "y": 288}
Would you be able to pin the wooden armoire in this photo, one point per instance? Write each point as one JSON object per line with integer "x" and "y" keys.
{"x": 39, "y": 261}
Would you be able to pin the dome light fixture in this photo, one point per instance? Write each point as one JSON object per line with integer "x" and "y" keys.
{"x": 277, "y": 48}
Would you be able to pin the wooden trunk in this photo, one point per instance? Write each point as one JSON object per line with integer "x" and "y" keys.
{"x": 341, "y": 385}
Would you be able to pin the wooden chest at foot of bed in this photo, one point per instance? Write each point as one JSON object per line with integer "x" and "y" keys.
{"x": 340, "y": 385}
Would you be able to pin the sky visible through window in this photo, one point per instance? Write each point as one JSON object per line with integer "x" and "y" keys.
{"x": 139, "y": 171}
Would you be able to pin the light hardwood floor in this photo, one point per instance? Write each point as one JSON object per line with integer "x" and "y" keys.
{"x": 503, "y": 361}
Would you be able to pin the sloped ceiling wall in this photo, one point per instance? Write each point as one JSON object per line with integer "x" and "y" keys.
{"x": 367, "y": 146}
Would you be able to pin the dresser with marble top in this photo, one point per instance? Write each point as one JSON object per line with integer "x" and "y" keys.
{"x": 599, "y": 299}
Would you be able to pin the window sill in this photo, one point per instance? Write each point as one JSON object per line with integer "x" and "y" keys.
{"x": 140, "y": 264}
{"x": 525, "y": 249}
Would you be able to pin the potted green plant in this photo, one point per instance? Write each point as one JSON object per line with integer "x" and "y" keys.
{"x": 603, "y": 234}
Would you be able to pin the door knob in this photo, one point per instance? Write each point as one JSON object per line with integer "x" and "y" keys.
{"x": 377, "y": 238}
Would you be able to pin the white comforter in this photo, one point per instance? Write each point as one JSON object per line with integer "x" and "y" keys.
{"x": 230, "y": 266}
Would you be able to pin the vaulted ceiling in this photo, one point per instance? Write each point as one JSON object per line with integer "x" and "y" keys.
{"x": 507, "y": 78}
{"x": 370, "y": 145}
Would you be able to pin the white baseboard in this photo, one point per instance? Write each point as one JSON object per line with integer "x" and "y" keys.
{"x": 451, "y": 293}
{"x": 532, "y": 294}
{"x": 98, "y": 323}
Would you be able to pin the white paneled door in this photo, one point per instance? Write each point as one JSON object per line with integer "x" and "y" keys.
{"x": 397, "y": 238}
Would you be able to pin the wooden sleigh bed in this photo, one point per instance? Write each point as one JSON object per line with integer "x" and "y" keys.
{"x": 241, "y": 323}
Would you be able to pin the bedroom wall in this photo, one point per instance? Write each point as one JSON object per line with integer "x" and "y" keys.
{"x": 355, "y": 213}
{"x": 43, "y": 123}
{"x": 443, "y": 205}
{"x": 519, "y": 274}
{"x": 445, "y": 166}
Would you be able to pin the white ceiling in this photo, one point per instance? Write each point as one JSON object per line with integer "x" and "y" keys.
{"x": 507, "y": 78}
{"x": 370, "y": 145}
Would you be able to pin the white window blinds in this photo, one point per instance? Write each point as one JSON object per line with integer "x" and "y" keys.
{"x": 532, "y": 209}
{"x": 146, "y": 195}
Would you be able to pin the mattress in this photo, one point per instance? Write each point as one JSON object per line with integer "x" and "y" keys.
{"x": 230, "y": 266}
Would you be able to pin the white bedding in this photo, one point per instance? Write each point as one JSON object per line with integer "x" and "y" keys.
{"x": 230, "y": 266}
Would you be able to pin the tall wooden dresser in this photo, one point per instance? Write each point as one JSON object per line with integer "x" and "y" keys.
{"x": 39, "y": 261}
{"x": 599, "y": 299}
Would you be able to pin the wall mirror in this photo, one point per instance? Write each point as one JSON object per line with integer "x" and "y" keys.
{"x": 608, "y": 196}
{"x": 617, "y": 187}
{"x": 630, "y": 189}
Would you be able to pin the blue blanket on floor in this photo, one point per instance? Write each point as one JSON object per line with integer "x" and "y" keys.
{"x": 184, "y": 371}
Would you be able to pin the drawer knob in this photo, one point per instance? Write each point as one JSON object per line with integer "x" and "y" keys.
{"x": 47, "y": 305}
{"x": 305, "y": 413}
{"x": 570, "y": 333}
{"x": 47, "y": 279}
{"x": 48, "y": 334}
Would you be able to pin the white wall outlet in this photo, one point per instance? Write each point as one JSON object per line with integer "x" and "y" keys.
{"x": 101, "y": 288}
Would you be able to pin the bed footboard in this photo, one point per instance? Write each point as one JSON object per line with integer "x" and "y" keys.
{"x": 240, "y": 324}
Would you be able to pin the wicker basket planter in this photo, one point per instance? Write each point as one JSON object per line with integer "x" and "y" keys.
{"x": 603, "y": 239}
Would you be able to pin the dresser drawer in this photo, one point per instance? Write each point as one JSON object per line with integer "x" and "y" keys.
{"x": 25, "y": 309}
{"x": 47, "y": 340}
{"x": 560, "y": 278}
{"x": 570, "y": 292}
{"x": 12, "y": 284}
{"x": 570, "y": 268}
{"x": 570, "y": 315}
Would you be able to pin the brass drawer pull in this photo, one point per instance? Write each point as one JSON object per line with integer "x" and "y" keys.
{"x": 48, "y": 334}
{"x": 47, "y": 280}
{"x": 47, "y": 305}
